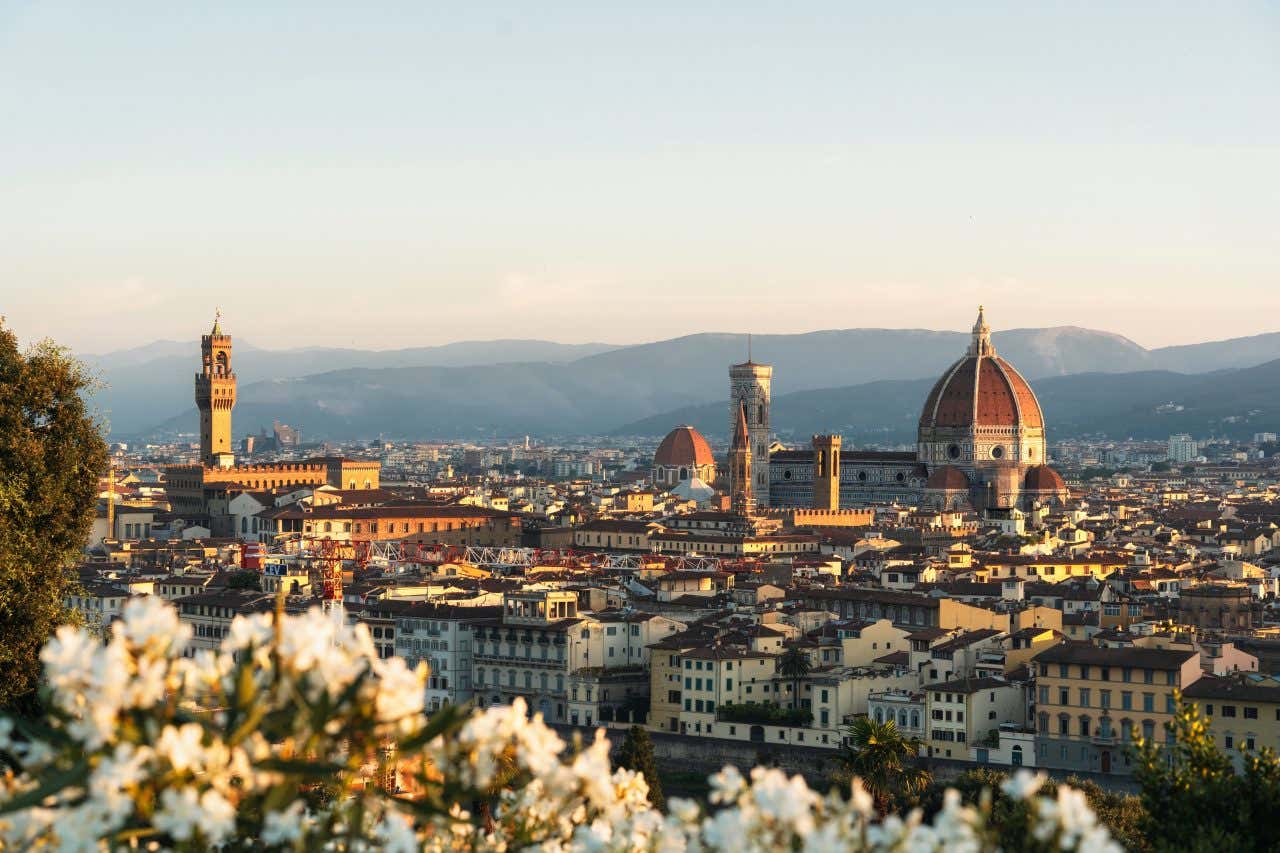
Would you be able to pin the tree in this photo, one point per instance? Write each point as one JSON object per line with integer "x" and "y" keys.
{"x": 51, "y": 456}
{"x": 245, "y": 579}
{"x": 636, "y": 753}
{"x": 794, "y": 664}
{"x": 1196, "y": 800}
{"x": 878, "y": 754}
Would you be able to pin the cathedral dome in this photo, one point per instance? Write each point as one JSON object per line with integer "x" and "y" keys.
{"x": 982, "y": 416}
{"x": 684, "y": 445}
{"x": 981, "y": 390}
{"x": 1042, "y": 478}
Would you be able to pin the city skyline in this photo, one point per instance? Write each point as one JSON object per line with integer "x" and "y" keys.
{"x": 585, "y": 174}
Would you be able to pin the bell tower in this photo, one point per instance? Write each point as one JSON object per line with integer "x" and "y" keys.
{"x": 215, "y": 396}
{"x": 826, "y": 472}
{"x": 750, "y": 387}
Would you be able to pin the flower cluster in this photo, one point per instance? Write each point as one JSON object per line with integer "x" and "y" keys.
{"x": 295, "y": 735}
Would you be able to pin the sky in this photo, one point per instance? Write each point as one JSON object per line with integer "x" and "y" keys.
{"x": 389, "y": 174}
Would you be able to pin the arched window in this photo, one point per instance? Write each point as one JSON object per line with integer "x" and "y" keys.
{"x": 915, "y": 719}
{"x": 879, "y": 715}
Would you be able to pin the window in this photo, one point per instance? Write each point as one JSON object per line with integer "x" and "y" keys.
{"x": 1064, "y": 725}
{"x": 1064, "y": 696}
{"x": 1148, "y": 701}
{"x": 1251, "y": 713}
{"x": 1084, "y": 727}
{"x": 1084, "y": 697}
{"x": 1126, "y": 700}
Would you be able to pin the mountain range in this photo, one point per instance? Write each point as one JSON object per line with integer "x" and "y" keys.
{"x": 869, "y": 381}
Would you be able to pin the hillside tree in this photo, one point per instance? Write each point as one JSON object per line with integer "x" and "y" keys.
{"x": 636, "y": 754}
{"x": 51, "y": 456}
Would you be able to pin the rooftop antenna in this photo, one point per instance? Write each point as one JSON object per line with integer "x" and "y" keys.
{"x": 748, "y": 347}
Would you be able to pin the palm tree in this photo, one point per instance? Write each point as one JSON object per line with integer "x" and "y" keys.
{"x": 884, "y": 760}
{"x": 794, "y": 664}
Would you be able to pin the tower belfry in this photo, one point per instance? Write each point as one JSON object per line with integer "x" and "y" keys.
{"x": 215, "y": 396}
{"x": 749, "y": 397}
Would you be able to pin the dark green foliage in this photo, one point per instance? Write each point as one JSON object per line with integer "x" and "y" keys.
{"x": 1122, "y": 814}
{"x": 51, "y": 456}
{"x": 885, "y": 761}
{"x": 247, "y": 579}
{"x": 794, "y": 664}
{"x": 636, "y": 753}
{"x": 764, "y": 713}
{"x": 1194, "y": 798}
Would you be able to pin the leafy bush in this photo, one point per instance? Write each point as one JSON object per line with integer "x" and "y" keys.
{"x": 763, "y": 713}
{"x": 294, "y": 735}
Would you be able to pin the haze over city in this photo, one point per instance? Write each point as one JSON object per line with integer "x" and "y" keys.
{"x": 577, "y": 172}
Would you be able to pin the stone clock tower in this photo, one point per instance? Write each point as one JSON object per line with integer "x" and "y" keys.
{"x": 749, "y": 393}
{"x": 215, "y": 397}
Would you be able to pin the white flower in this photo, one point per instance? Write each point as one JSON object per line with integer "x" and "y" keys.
{"x": 401, "y": 698}
{"x": 395, "y": 831}
{"x": 184, "y": 747}
{"x": 726, "y": 785}
{"x": 151, "y": 623}
{"x": 179, "y": 813}
{"x": 284, "y": 827}
{"x": 1024, "y": 784}
{"x": 218, "y": 818}
{"x": 248, "y": 631}
{"x": 113, "y": 778}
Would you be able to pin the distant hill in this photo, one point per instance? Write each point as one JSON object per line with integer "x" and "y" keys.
{"x": 1143, "y": 405}
{"x": 147, "y": 384}
{"x": 517, "y": 387}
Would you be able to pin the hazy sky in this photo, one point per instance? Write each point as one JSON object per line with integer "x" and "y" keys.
{"x": 395, "y": 174}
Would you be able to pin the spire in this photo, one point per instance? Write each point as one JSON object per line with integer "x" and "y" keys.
{"x": 741, "y": 438}
{"x": 217, "y": 322}
{"x": 748, "y": 347}
{"x": 981, "y": 344}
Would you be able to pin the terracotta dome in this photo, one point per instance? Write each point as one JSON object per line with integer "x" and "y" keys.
{"x": 948, "y": 478}
{"x": 684, "y": 445}
{"x": 982, "y": 390}
{"x": 1042, "y": 478}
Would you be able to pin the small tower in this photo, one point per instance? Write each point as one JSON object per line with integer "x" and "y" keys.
{"x": 216, "y": 396}
{"x": 826, "y": 472}
{"x": 749, "y": 391}
{"x": 740, "y": 487}
{"x": 981, "y": 343}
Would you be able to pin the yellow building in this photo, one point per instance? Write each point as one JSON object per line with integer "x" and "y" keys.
{"x": 1091, "y": 701}
{"x": 1243, "y": 711}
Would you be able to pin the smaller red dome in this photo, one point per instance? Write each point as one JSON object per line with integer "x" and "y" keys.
{"x": 948, "y": 478}
{"x": 1042, "y": 478}
{"x": 684, "y": 445}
